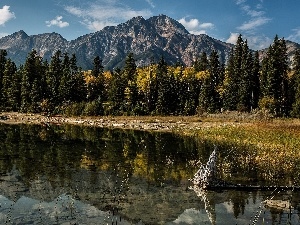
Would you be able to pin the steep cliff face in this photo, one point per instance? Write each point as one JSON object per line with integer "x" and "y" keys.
{"x": 148, "y": 39}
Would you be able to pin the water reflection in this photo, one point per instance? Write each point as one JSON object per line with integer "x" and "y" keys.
{"x": 59, "y": 174}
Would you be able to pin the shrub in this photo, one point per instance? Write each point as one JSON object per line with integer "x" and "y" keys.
{"x": 93, "y": 108}
{"x": 267, "y": 104}
{"x": 74, "y": 109}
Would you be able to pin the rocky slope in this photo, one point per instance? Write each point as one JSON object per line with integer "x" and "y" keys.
{"x": 148, "y": 39}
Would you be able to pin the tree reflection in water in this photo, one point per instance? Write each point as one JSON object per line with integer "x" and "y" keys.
{"x": 129, "y": 175}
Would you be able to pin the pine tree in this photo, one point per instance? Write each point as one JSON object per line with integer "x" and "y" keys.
{"x": 275, "y": 78}
{"x": 131, "y": 90}
{"x": 98, "y": 68}
{"x": 210, "y": 99}
{"x": 233, "y": 76}
{"x": 8, "y": 85}
{"x": 116, "y": 93}
{"x": 35, "y": 97}
{"x": 255, "y": 82}
{"x": 295, "y": 86}
{"x": 245, "y": 87}
{"x": 33, "y": 71}
{"x": 202, "y": 63}
{"x": 25, "y": 92}
{"x": 53, "y": 77}
{"x": 3, "y": 54}
{"x": 151, "y": 95}
{"x": 79, "y": 89}
{"x": 96, "y": 90}
{"x": 162, "y": 104}
{"x": 66, "y": 85}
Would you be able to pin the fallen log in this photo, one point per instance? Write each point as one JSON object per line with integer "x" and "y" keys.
{"x": 205, "y": 178}
{"x": 242, "y": 187}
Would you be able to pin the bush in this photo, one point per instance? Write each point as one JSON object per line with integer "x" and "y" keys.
{"x": 267, "y": 104}
{"x": 93, "y": 108}
{"x": 74, "y": 109}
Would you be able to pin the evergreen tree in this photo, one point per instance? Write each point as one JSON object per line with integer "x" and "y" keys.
{"x": 275, "y": 78}
{"x": 66, "y": 85}
{"x": 210, "y": 99}
{"x": 191, "y": 95}
{"x": 129, "y": 71}
{"x": 255, "y": 82}
{"x": 233, "y": 76}
{"x": 116, "y": 93}
{"x": 98, "y": 68}
{"x": 35, "y": 97}
{"x": 79, "y": 93}
{"x": 245, "y": 87}
{"x": 8, "y": 83}
{"x": 163, "y": 88}
{"x": 202, "y": 63}
{"x": 295, "y": 86}
{"x": 53, "y": 77}
{"x": 129, "y": 77}
{"x": 33, "y": 71}
{"x": 3, "y": 54}
{"x": 151, "y": 98}
{"x": 25, "y": 92}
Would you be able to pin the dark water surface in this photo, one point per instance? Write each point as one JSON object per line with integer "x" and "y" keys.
{"x": 83, "y": 175}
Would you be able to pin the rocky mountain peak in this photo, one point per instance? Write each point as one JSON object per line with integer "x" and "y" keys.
{"x": 20, "y": 35}
{"x": 167, "y": 26}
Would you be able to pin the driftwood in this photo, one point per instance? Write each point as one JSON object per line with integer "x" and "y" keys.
{"x": 205, "y": 178}
{"x": 242, "y": 187}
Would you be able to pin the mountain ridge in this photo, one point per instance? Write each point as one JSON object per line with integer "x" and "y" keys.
{"x": 147, "y": 39}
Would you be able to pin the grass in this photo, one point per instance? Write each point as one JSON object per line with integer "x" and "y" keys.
{"x": 272, "y": 147}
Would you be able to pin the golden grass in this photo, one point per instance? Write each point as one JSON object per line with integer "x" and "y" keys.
{"x": 272, "y": 146}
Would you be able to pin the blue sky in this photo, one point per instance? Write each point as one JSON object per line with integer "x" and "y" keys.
{"x": 257, "y": 20}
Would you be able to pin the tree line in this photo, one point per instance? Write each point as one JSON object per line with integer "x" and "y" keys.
{"x": 244, "y": 84}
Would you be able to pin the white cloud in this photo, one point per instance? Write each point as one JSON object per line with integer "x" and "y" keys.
{"x": 295, "y": 36}
{"x": 238, "y": 2}
{"x": 6, "y": 14}
{"x": 252, "y": 12}
{"x": 150, "y": 2}
{"x": 254, "y": 23}
{"x": 96, "y": 16}
{"x": 57, "y": 22}
{"x": 255, "y": 42}
{"x": 233, "y": 38}
{"x": 257, "y": 16}
{"x": 194, "y": 26}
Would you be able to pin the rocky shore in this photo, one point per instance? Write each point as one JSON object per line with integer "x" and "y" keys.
{"x": 164, "y": 124}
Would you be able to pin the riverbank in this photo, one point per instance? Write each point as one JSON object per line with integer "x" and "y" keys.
{"x": 243, "y": 128}
{"x": 150, "y": 123}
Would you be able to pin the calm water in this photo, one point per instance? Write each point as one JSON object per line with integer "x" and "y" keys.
{"x": 75, "y": 175}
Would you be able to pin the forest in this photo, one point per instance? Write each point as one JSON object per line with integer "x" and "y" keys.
{"x": 244, "y": 84}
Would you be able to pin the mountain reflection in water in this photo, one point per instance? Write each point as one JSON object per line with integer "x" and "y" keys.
{"x": 84, "y": 175}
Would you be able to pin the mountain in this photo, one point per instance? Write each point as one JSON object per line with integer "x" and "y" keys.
{"x": 19, "y": 44}
{"x": 148, "y": 39}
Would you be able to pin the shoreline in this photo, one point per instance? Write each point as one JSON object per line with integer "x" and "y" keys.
{"x": 147, "y": 123}
{"x": 183, "y": 125}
